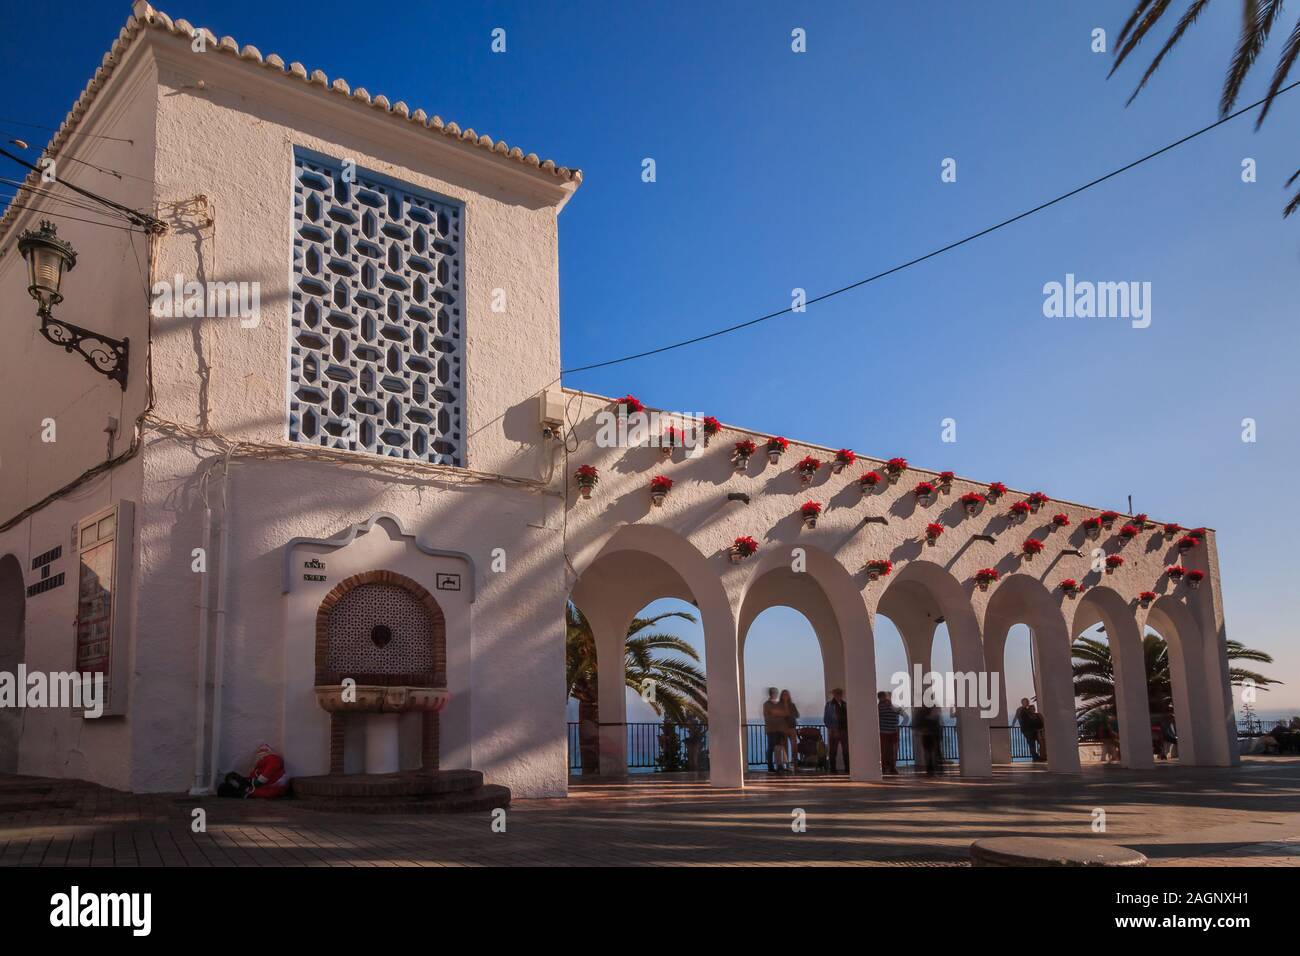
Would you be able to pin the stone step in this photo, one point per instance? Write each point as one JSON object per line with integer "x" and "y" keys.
{"x": 408, "y": 783}
{"x": 479, "y": 799}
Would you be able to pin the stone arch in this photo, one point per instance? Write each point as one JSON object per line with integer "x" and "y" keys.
{"x": 1191, "y": 686}
{"x": 434, "y": 675}
{"x": 640, "y": 562}
{"x": 918, "y": 598}
{"x": 825, "y": 593}
{"x": 1104, "y": 605}
{"x": 431, "y": 662}
{"x": 1023, "y": 599}
{"x": 13, "y": 606}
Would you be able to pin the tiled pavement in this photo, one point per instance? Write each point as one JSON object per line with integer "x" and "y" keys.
{"x": 1177, "y": 816}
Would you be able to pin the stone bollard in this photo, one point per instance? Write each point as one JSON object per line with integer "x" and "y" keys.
{"x": 1047, "y": 851}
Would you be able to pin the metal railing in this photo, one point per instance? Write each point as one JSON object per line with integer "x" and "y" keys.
{"x": 646, "y": 746}
{"x": 645, "y": 751}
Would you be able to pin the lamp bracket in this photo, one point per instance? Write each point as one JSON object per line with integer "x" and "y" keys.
{"x": 105, "y": 355}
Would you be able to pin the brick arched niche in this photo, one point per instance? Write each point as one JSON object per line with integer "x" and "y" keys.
{"x": 380, "y": 628}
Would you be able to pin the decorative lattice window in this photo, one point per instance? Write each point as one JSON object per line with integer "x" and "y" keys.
{"x": 377, "y": 343}
{"x": 380, "y": 629}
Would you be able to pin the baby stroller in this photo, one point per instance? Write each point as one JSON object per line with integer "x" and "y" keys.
{"x": 810, "y": 749}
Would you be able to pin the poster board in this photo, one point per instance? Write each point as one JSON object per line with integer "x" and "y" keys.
{"x": 104, "y": 545}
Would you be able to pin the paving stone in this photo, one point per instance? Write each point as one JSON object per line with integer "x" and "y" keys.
{"x": 1246, "y": 816}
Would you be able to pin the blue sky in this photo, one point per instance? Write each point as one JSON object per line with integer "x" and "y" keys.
{"x": 777, "y": 170}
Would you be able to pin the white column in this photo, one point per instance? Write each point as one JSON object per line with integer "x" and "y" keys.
{"x": 722, "y": 670}
{"x": 1054, "y": 683}
{"x": 1130, "y": 691}
{"x": 611, "y": 683}
{"x": 864, "y": 715}
{"x": 995, "y": 649}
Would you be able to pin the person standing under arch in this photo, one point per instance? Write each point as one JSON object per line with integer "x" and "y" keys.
{"x": 836, "y": 719}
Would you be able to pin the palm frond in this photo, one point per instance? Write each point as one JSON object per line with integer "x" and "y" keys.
{"x": 641, "y": 623}
{"x": 1257, "y": 19}
{"x": 1240, "y": 652}
{"x": 1290, "y": 53}
{"x": 1239, "y": 676}
{"x": 1188, "y": 18}
{"x": 1132, "y": 19}
{"x": 647, "y": 642}
{"x": 1128, "y": 42}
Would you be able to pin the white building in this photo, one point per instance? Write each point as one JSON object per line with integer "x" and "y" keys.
{"x": 353, "y": 480}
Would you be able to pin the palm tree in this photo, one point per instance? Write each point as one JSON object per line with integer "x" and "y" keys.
{"x": 1258, "y": 18}
{"x": 1094, "y": 675}
{"x": 674, "y": 687}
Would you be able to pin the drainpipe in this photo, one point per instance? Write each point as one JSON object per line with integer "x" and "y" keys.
{"x": 218, "y": 666}
{"x": 200, "y": 785}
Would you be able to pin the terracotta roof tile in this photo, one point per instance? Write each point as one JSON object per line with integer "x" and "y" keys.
{"x": 145, "y": 16}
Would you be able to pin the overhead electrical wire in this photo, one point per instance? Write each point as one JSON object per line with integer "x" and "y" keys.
{"x": 142, "y": 219}
{"x": 789, "y": 310}
{"x": 92, "y": 222}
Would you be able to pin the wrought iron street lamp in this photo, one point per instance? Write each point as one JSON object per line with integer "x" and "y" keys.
{"x": 48, "y": 258}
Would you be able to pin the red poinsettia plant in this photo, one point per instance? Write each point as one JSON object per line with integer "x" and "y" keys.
{"x": 1069, "y": 586}
{"x": 896, "y": 466}
{"x": 744, "y": 546}
{"x": 1175, "y": 571}
{"x": 869, "y": 480}
{"x": 1061, "y": 520}
{"x": 777, "y": 444}
{"x": 711, "y": 426}
{"x": 971, "y": 501}
{"x": 808, "y": 465}
{"x": 879, "y": 567}
{"x": 1146, "y": 597}
{"x": 586, "y": 477}
{"x": 1129, "y": 531}
{"x": 996, "y": 490}
{"x": 1019, "y": 509}
{"x": 670, "y": 438}
{"x": 745, "y": 448}
{"x": 986, "y": 576}
{"x": 1187, "y": 542}
{"x": 810, "y": 508}
{"x": 1172, "y": 529}
{"x": 660, "y": 485}
{"x": 1113, "y": 561}
{"x": 1036, "y": 500}
{"x": 1141, "y": 520}
{"x": 1031, "y": 547}
{"x": 630, "y": 403}
{"x": 1194, "y": 578}
{"x": 1092, "y": 526}
{"x": 1108, "y": 518}
{"x": 844, "y": 457}
{"x": 933, "y": 530}
{"x": 923, "y": 490}
{"x": 946, "y": 477}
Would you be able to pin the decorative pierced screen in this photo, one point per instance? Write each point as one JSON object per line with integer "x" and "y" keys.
{"x": 380, "y": 629}
{"x": 376, "y": 336}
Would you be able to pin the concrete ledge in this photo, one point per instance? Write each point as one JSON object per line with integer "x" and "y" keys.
{"x": 1043, "y": 851}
